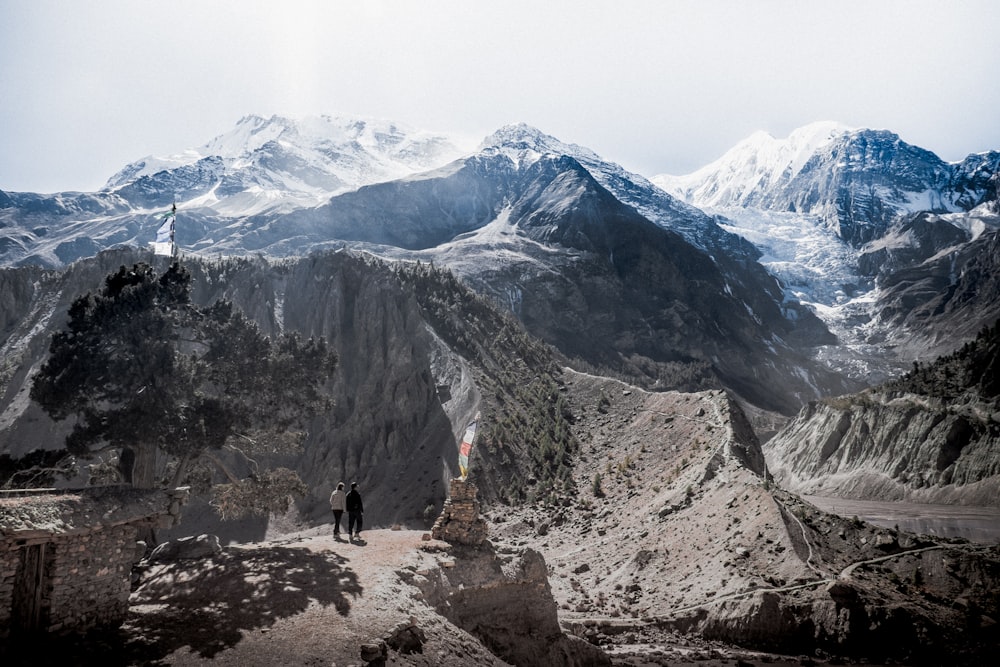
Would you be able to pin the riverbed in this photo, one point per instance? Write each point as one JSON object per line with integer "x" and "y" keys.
{"x": 976, "y": 524}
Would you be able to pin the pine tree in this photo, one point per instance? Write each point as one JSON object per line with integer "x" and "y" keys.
{"x": 145, "y": 372}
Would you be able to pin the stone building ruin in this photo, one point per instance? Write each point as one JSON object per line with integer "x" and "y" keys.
{"x": 66, "y": 556}
{"x": 459, "y": 522}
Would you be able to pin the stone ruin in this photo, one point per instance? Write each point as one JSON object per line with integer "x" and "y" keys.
{"x": 459, "y": 522}
{"x": 508, "y": 604}
{"x": 66, "y": 556}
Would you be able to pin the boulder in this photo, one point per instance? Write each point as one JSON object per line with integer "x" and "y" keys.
{"x": 187, "y": 548}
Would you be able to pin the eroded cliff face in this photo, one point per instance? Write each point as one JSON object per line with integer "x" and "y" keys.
{"x": 504, "y": 600}
{"x": 883, "y": 446}
{"x": 397, "y": 394}
{"x": 399, "y": 397}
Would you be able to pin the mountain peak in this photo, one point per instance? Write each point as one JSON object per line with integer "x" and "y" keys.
{"x": 524, "y": 144}
{"x": 819, "y": 132}
{"x": 760, "y": 160}
{"x": 317, "y": 154}
{"x": 253, "y": 131}
{"x": 518, "y": 133}
{"x": 772, "y": 157}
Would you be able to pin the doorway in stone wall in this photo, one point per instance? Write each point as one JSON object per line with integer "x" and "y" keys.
{"x": 28, "y": 613}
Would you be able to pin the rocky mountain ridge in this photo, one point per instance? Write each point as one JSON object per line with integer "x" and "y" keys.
{"x": 383, "y": 343}
{"x": 679, "y": 478}
{"x": 883, "y": 239}
{"x": 887, "y": 446}
{"x": 543, "y": 236}
{"x": 491, "y": 207}
{"x": 678, "y": 527}
{"x": 411, "y": 333}
{"x": 711, "y": 547}
{"x": 264, "y": 163}
{"x": 931, "y": 436}
{"x": 673, "y": 544}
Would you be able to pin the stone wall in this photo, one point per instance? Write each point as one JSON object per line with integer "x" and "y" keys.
{"x": 91, "y": 579}
{"x": 86, "y": 581}
{"x": 66, "y": 557}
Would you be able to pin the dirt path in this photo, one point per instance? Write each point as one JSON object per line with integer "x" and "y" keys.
{"x": 301, "y": 600}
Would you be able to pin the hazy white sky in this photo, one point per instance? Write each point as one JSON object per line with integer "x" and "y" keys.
{"x": 666, "y": 86}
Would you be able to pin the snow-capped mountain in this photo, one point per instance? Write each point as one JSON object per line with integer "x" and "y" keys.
{"x": 753, "y": 168}
{"x": 527, "y": 223}
{"x": 263, "y": 166}
{"x": 856, "y": 181}
{"x": 265, "y": 163}
{"x": 838, "y": 213}
{"x": 522, "y": 207}
{"x": 541, "y": 225}
{"x": 524, "y": 144}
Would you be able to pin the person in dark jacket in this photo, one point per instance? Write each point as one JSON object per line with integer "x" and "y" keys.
{"x": 355, "y": 512}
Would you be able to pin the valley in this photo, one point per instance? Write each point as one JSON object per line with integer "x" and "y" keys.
{"x": 974, "y": 523}
{"x": 755, "y": 406}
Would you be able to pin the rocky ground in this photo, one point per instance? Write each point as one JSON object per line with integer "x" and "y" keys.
{"x": 676, "y": 529}
{"x": 310, "y": 599}
{"x": 675, "y": 549}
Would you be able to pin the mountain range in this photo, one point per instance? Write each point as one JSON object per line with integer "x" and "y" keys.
{"x": 786, "y": 270}
{"x": 857, "y": 181}
{"x": 872, "y": 232}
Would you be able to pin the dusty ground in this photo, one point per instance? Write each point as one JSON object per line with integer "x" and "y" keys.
{"x": 305, "y": 599}
{"x": 669, "y": 530}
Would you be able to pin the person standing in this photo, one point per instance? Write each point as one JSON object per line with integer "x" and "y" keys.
{"x": 338, "y": 503}
{"x": 355, "y": 511}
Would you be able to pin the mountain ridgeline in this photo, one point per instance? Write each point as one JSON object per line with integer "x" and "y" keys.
{"x": 859, "y": 181}
{"x": 546, "y": 240}
{"x": 623, "y": 349}
{"x": 537, "y": 232}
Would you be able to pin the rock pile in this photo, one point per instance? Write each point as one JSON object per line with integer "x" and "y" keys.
{"x": 459, "y": 522}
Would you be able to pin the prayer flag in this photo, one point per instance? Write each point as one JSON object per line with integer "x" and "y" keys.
{"x": 164, "y": 243}
{"x": 466, "y": 447}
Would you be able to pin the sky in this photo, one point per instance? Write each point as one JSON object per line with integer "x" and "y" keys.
{"x": 658, "y": 86}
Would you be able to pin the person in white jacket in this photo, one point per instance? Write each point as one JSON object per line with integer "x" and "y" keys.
{"x": 338, "y": 503}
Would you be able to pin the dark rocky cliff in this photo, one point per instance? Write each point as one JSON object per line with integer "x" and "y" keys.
{"x": 930, "y": 306}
